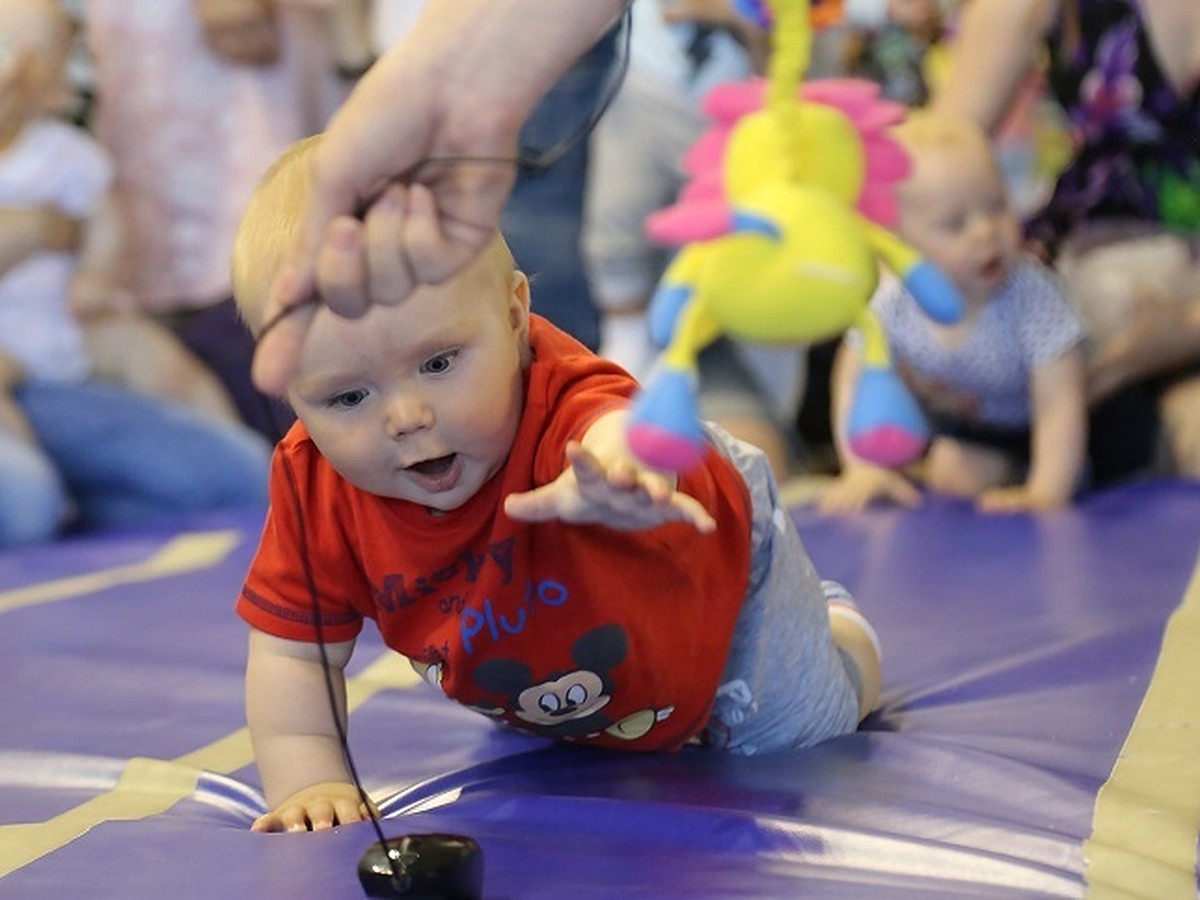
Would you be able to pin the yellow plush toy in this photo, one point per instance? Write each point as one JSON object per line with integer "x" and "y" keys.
{"x": 782, "y": 228}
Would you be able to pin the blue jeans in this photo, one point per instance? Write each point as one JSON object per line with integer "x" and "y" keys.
{"x": 106, "y": 456}
{"x": 543, "y": 220}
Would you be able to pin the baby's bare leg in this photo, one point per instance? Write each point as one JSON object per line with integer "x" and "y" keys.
{"x": 138, "y": 353}
{"x": 966, "y": 470}
{"x": 855, "y": 638}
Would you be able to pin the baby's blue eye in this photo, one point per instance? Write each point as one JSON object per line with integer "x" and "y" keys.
{"x": 348, "y": 399}
{"x": 439, "y": 364}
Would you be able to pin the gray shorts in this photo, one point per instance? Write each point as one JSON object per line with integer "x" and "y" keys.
{"x": 785, "y": 684}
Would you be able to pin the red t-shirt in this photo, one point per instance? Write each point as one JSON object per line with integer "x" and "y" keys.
{"x": 576, "y": 632}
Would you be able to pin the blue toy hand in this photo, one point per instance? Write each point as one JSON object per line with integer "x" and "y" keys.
{"x": 934, "y": 292}
{"x": 755, "y": 12}
{"x": 664, "y": 425}
{"x": 886, "y": 426}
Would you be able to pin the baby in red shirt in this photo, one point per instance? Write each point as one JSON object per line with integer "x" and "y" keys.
{"x": 458, "y": 473}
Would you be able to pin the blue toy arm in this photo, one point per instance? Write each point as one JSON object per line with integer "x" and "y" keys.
{"x": 664, "y": 428}
{"x": 885, "y": 426}
{"x": 934, "y": 292}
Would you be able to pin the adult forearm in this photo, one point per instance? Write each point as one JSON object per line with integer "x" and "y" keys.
{"x": 1059, "y": 432}
{"x": 993, "y": 53}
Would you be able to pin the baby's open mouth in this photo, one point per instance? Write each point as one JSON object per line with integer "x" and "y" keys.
{"x": 436, "y": 466}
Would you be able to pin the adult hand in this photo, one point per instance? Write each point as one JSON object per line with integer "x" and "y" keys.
{"x": 1018, "y": 498}
{"x": 437, "y": 118}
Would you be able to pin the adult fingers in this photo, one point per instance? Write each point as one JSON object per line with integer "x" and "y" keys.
{"x": 287, "y": 317}
{"x": 342, "y": 272}
{"x": 389, "y": 275}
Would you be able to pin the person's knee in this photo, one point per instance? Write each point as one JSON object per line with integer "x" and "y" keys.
{"x": 33, "y": 501}
{"x": 232, "y": 472}
{"x": 954, "y": 468}
{"x": 1181, "y": 428}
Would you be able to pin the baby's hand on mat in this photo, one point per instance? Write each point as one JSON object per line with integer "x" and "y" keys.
{"x": 1019, "y": 498}
{"x": 860, "y": 485}
{"x": 619, "y": 494}
{"x": 315, "y": 808}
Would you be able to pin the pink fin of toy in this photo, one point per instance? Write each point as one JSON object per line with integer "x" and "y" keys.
{"x": 706, "y": 154}
{"x": 878, "y": 203}
{"x": 701, "y": 211}
{"x": 886, "y": 159}
{"x": 702, "y": 190}
{"x": 728, "y": 102}
{"x": 851, "y": 95}
{"x": 684, "y": 223}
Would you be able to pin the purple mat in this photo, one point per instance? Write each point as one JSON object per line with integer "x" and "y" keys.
{"x": 1016, "y": 650}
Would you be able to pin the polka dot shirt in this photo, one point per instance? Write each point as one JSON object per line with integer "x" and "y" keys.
{"x": 1029, "y": 323}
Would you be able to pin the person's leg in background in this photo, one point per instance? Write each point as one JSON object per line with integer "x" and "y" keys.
{"x": 33, "y": 499}
{"x": 126, "y": 458}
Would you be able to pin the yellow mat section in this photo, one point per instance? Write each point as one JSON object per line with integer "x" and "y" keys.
{"x": 148, "y": 787}
{"x": 186, "y": 553}
{"x": 1147, "y": 814}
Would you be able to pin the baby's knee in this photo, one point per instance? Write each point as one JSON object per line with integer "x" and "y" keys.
{"x": 1181, "y": 428}
{"x": 962, "y": 470}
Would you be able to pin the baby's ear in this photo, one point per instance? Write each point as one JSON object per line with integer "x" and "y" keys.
{"x": 519, "y": 301}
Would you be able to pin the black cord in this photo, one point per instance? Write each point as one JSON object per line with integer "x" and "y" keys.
{"x": 326, "y": 669}
{"x": 529, "y": 160}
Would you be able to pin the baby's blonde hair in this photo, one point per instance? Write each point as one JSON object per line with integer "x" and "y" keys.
{"x": 270, "y": 227}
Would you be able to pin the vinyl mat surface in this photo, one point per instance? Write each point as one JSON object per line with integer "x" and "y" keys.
{"x": 1039, "y": 733}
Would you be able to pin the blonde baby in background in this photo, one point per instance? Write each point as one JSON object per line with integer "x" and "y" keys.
{"x": 1003, "y": 388}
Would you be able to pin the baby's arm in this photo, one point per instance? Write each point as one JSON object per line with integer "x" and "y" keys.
{"x": 295, "y": 740}
{"x": 12, "y": 419}
{"x": 25, "y": 231}
{"x": 1059, "y": 439}
{"x": 604, "y": 484}
{"x": 97, "y": 288}
{"x": 859, "y": 483}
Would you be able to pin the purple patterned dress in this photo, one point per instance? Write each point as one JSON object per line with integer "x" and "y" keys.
{"x": 1137, "y": 139}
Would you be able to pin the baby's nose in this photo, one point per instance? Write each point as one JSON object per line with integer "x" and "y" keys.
{"x": 407, "y": 413}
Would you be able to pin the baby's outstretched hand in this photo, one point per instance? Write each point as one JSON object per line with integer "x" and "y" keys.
{"x": 619, "y": 494}
{"x": 315, "y": 808}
